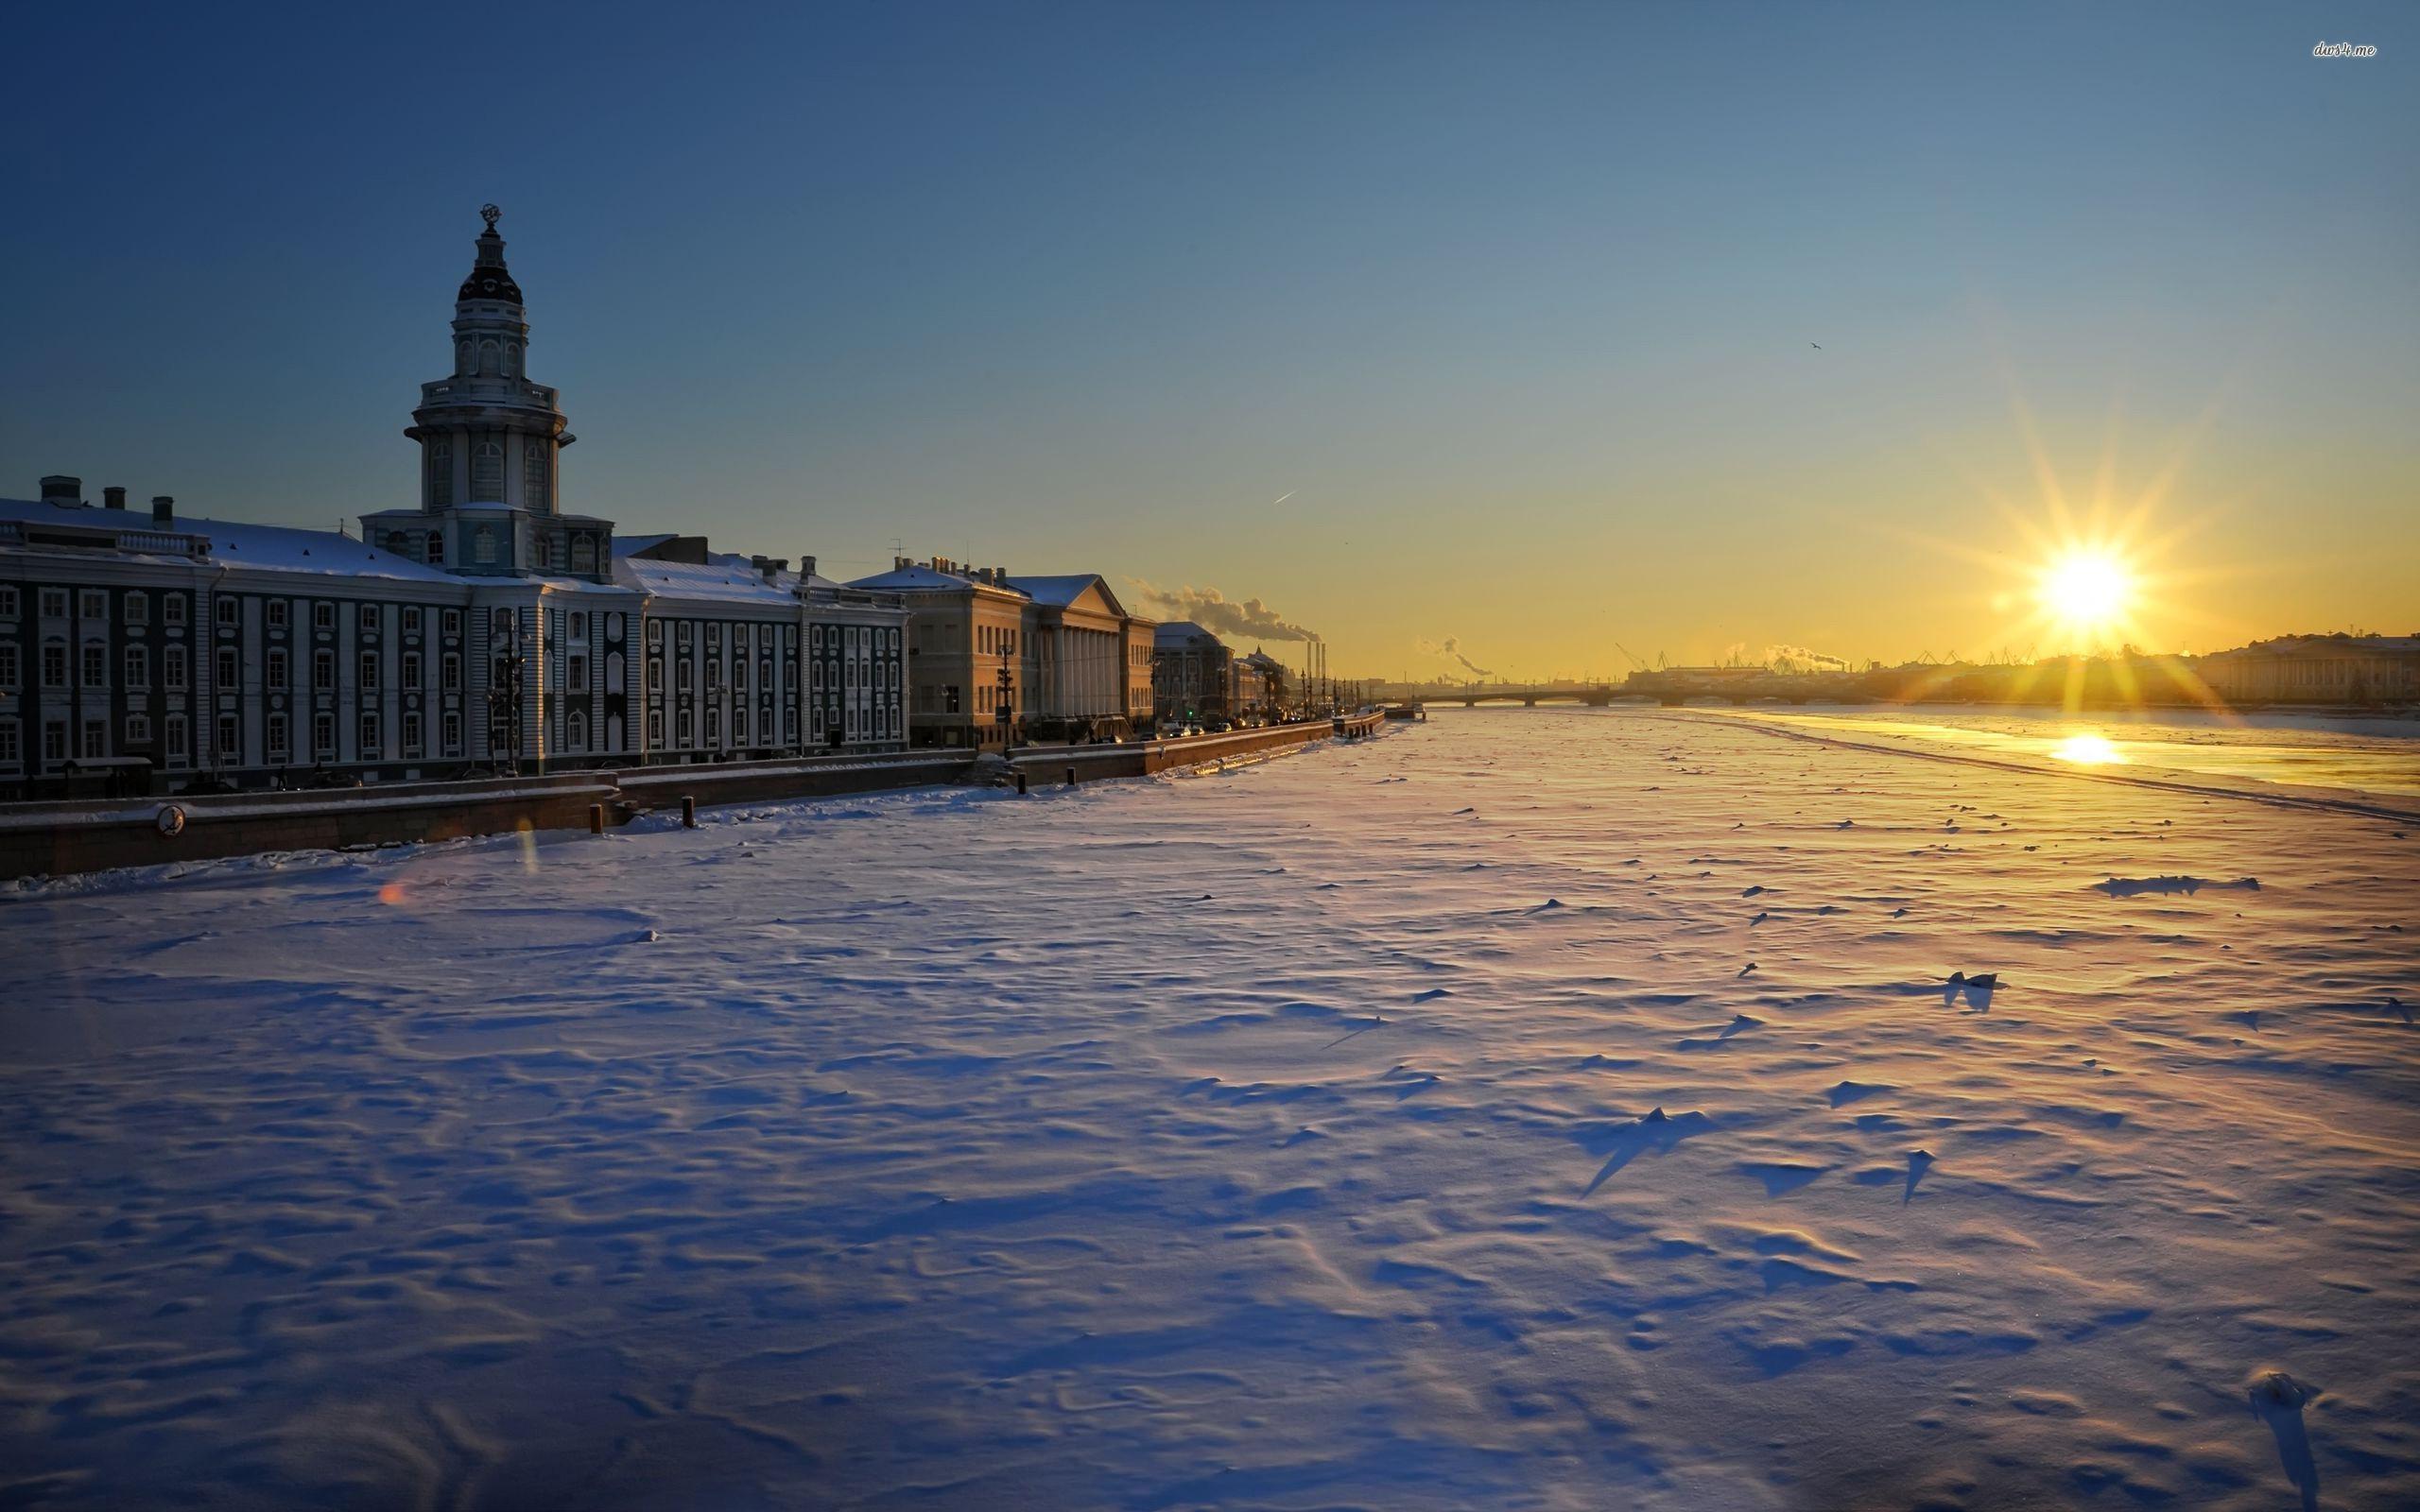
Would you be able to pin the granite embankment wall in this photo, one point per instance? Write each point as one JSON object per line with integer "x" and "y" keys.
{"x": 58, "y": 839}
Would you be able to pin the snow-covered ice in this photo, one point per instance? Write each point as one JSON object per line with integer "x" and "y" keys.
{"x": 1394, "y": 1125}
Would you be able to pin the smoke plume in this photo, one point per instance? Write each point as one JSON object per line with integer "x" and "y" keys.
{"x": 1452, "y": 647}
{"x": 1779, "y": 659}
{"x": 1799, "y": 659}
{"x": 1247, "y": 619}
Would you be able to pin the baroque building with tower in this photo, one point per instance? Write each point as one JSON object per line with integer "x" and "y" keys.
{"x": 491, "y": 630}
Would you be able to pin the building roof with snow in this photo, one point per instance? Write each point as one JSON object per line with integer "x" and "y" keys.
{"x": 1182, "y": 635}
{"x": 723, "y": 577}
{"x": 34, "y": 522}
{"x": 924, "y": 576}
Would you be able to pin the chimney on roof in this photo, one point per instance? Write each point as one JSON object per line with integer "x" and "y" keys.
{"x": 806, "y": 568}
{"x": 114, "y": 498}
{"x": 163, "y": 509}
{"x": 770, "y": 566}
{"x": 61, "y": 490}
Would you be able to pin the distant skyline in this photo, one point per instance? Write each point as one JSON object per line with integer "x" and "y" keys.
{"x": 1464, "y": 336}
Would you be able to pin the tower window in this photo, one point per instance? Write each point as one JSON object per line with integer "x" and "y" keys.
{"x": 487, "y": 473}
{"x": 483, "y": 546}
{"x": 441, "y": 474}
{"x": 583, "y": 553}
{"x": 533, "y": 474}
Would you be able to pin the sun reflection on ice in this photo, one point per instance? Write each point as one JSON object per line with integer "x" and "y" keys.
{"x": 2088, "y": 749}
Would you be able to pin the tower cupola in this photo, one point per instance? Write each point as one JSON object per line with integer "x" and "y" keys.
{"x": 488, "y": 435}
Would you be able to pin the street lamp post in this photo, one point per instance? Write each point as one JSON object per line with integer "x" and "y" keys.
{"x": 1004, "y": 712}
{"x": 504, "y": 706}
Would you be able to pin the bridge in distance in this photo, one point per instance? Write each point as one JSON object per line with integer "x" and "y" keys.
{"x": 1671, "y": 688}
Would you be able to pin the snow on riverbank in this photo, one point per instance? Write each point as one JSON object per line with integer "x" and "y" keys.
{"x": 1282, "y": 1137}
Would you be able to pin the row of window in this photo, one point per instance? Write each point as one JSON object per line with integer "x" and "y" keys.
{"x": 176, "y": 747}
{"x": 870, "y": 724}
{"x": 872, "y": 637}
{"x": 323, "y": 616}
{"x": 822, "y": 674}
{"x": 136, "y": 666}
{"x": 134, "y": 608}
{"x": 487, "y": 471}
{"x": 94, "y": 604}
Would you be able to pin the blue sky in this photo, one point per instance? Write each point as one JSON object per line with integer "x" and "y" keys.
{"x": 1516, "y": 301}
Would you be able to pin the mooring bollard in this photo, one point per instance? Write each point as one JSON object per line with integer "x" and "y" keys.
{"x": 1020, "y": 784}
{"x": 1071, "y": 777}
{"x": 596, "y": 818}
{"x": 688, "y": 812}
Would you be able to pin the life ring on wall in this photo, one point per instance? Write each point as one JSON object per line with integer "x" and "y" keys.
{"x": 171, "y": 820}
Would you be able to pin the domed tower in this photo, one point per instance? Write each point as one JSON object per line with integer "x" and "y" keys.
{"x": 490, "y": 499}
{"x": 489, "y": 436}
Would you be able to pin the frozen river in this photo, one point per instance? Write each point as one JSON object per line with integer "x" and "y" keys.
{"x": 2348, "y": 754}
{"x": 1529, "y": 1108}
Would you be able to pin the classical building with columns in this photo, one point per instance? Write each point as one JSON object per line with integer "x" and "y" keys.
{"x": 487, "y": 628}
{"x": 996, "y": 659}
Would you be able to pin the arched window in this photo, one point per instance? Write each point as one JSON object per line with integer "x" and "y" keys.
{"x": 487, "y": 356}
{"x": 436, "y": 547}
{"x": 511, "y": 358}
{"x": 487, "y": 473}
{"x": 533, "y": 474}
{"x": 583, "y": 553}
{"x": 397, "y": 543}
{"x": 483, "y": 546}
{"x": 614, "y": 671}
{"x": 440, "y": 475}
{"x": 575, "y": 731}
{"x": 542, "y": 550}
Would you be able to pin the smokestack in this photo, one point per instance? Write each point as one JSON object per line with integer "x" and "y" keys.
{"x": 113, "y": 498}
{"x": 163, "y": 509}
{"x": 62, "y": 489}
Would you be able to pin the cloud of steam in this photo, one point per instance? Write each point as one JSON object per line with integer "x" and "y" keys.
{"x": 1780, "y": 659}
{"x": 1451, "y": 646}
{"x": 1799, "y": 659}
{"x": 1247, "y": 619}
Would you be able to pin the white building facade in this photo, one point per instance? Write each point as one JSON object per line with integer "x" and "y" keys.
{"x": 486, "y": 629}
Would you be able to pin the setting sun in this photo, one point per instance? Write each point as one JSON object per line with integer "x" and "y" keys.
{"x": 2087, "y": 592}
